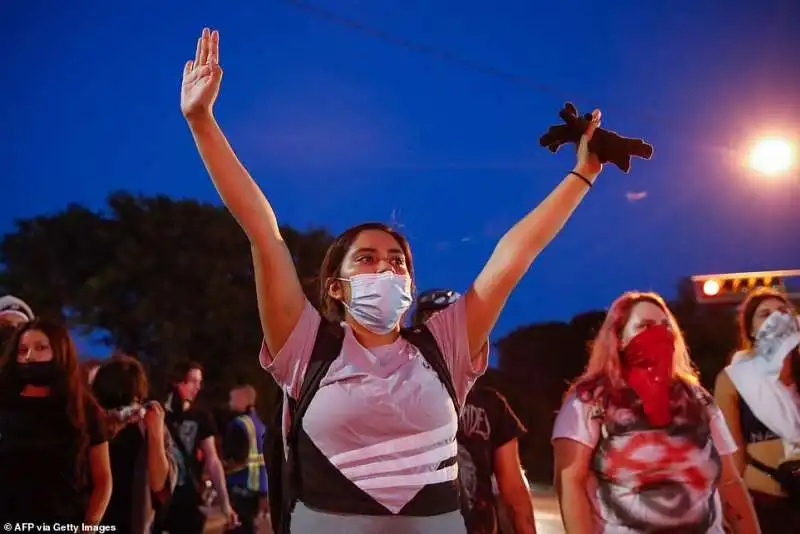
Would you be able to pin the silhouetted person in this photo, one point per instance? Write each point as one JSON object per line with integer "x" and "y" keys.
{"x": 14, "y": 312}
{"x": 193, "y": 432}
{"x": 488, "y": 447}
{"x": 142, "y": 462}
{"x": 243, "y": 451}
{"x": 53, "y": 450}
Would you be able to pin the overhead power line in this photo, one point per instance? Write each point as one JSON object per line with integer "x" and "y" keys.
{"x": 444, "y": 55}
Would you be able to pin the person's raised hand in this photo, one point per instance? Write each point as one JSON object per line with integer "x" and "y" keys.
{"x": 154, "y": 418}
{"x": 588, "y": 164}
{"x": 201, "y": 77}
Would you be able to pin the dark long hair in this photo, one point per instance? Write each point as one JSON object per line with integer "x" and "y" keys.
{"x": 69, "y": 387}
{"x": 119, "y": 381}
{"x": 332, "y": 309}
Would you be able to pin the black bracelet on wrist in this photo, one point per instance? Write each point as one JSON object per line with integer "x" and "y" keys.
{"x": 582, "y": 177}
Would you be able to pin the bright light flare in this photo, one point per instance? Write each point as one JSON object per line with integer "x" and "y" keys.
{"x": 711, "y": 288}
{"x": 772, "y": 156}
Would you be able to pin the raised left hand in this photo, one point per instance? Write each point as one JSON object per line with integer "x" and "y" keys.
{"x": 154, "y": 418}
{"x": 589, "y": 164}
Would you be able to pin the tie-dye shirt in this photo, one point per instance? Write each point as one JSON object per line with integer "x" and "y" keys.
{"x": 646, "y": 477}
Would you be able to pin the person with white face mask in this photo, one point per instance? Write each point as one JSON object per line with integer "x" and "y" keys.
{"x": 758, "y": 393}
{"x": 379, "y": 433}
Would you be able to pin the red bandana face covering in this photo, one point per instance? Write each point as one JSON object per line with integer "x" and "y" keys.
{"x": 647, "y": 368}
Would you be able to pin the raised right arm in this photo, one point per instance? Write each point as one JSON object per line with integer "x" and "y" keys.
{"x": 280, "y": 295}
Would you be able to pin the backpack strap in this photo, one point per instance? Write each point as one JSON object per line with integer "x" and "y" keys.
{"x": 327, "y": 346}
{"x": 421, "y": 337}
{"x": 764, "y": 468}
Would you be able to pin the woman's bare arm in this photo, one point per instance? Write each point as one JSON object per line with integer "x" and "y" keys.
{"x": 572, "y": 474}
{"x": 280, "y": 295}
{"x": 516, "y": 250}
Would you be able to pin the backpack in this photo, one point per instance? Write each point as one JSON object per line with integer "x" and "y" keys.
{"x": 282, "y": 472}
{"x": 787, "y": 474}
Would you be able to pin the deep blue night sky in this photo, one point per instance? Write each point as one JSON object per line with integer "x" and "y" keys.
{"x": 339, "y": 127}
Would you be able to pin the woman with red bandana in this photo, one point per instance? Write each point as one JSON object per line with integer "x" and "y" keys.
{"x": 640, "y": 446}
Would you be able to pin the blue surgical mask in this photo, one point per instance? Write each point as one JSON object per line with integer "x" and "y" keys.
{"x": 378, "y": 300}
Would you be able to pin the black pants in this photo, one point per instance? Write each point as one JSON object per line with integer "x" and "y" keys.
{"x": 245, "y": 504}
{"x": 184, "y": 515}
{"x": 775, "y": 514}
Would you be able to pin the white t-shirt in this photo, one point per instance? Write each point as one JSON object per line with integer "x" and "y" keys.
{"x": 643, "y": 457}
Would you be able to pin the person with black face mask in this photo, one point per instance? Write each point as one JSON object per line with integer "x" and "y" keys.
{"x": 54, "y": 460}
{"x": 142, "y": 463}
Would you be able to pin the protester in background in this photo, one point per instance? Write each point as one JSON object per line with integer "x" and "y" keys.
{"x": 365, "y": 404}
{"x": 758, "y": 394}
{"x": 142, "y": 462}
{"x": 13, "y": 313}
{"x": 244, "y": 458}
{"x": 488, "y": 447}
{"x": 54, "y": 460}
{"x": 639, "y": 444}
{"x": 193, "y": 433}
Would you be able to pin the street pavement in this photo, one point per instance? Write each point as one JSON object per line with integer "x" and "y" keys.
{"x": 546, "y": 512}
{"x": 545, "y": 507}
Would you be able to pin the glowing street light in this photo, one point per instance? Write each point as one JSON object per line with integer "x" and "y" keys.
{"x": 730, "y": 288}
{"x": 772, "y": 156}
{"x": 711, "y": 288}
